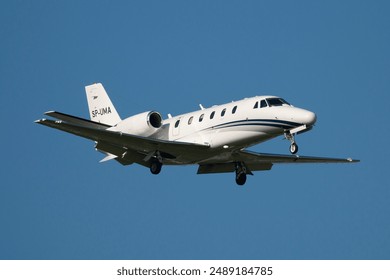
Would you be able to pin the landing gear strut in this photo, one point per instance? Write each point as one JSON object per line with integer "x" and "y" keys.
{"x": 293, "y": 145}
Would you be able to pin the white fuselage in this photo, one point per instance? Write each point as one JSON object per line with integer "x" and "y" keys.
{"x": 238, "y": 124}
{"x": 214, "y": 138}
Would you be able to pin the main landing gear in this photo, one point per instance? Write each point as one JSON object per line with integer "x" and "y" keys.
{"x": 156, "y": 164}
{"x": 240, "y": 178}
{"x": 241, "y": 172}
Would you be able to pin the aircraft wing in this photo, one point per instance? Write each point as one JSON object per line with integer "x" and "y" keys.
{"x": 259, "y": 161}
{"x": 122, "y": 141}
{"x": 274, "y": 158}
{"x": 127, "y": 148}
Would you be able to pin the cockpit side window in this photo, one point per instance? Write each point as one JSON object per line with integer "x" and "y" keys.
{"x": 256, "y": 105}
{"x": 263, "y": 103}
{"x": 277, "y": 102}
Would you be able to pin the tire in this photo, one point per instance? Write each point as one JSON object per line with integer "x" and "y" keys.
{"x": 240, "y": 179}
{"x": 155, "y": 167}
{"x": 293, "y": 148}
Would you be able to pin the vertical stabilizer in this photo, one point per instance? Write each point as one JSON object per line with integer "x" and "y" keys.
{"x": 100, "y": 106}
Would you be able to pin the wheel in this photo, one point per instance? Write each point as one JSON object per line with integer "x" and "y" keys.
{"x": 155, "y": 167}
{"x": 240, "y": 178}
{"x": 293, "y": 148}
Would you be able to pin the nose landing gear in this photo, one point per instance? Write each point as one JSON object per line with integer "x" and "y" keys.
{"x": 293, "y": 145}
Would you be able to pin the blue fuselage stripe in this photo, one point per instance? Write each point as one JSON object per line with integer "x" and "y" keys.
{"x": 264, "y": 122}
{"x": 257, "y": 122}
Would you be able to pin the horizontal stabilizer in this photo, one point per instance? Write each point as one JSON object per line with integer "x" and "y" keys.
{"x": 76, "y": 120}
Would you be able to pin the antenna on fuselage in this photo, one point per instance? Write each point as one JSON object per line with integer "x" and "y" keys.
{"x": 201, "y": 106}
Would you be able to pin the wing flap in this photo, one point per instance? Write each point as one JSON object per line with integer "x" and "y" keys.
{"x": 216, "y": 168}
{"x": 231, "y": 167}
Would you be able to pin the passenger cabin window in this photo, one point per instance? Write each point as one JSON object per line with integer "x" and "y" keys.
{"x": 277, "y": 102}
{"x": 263, "y": 104}
{"x": 177, "y": 123}
{"x": 234, "y": 110}
{"x": 256, "y": 105}
{"x": 201, "y": 117}
{"x": 190, "y": 120}
{"x": 212, "y": 115}
{"x": 223, "y": 112}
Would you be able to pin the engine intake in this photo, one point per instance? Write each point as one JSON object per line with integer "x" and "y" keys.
{"x": 154, "y": 119}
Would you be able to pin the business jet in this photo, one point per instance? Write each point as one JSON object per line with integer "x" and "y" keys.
{"x": 214, "y": 138}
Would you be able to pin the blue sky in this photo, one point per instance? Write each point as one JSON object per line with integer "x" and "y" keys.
{"x": 331, "y": 57}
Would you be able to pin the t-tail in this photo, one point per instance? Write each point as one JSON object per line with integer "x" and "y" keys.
{"x": 100, "y": 106}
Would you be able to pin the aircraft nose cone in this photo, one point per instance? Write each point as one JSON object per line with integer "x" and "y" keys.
{"x": 310, "y": 118}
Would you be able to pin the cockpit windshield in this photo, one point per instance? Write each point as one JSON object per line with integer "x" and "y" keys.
{"x": 277, "y": 102}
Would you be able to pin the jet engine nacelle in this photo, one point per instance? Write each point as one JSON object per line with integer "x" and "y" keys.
{"x": 143, "y": 124}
